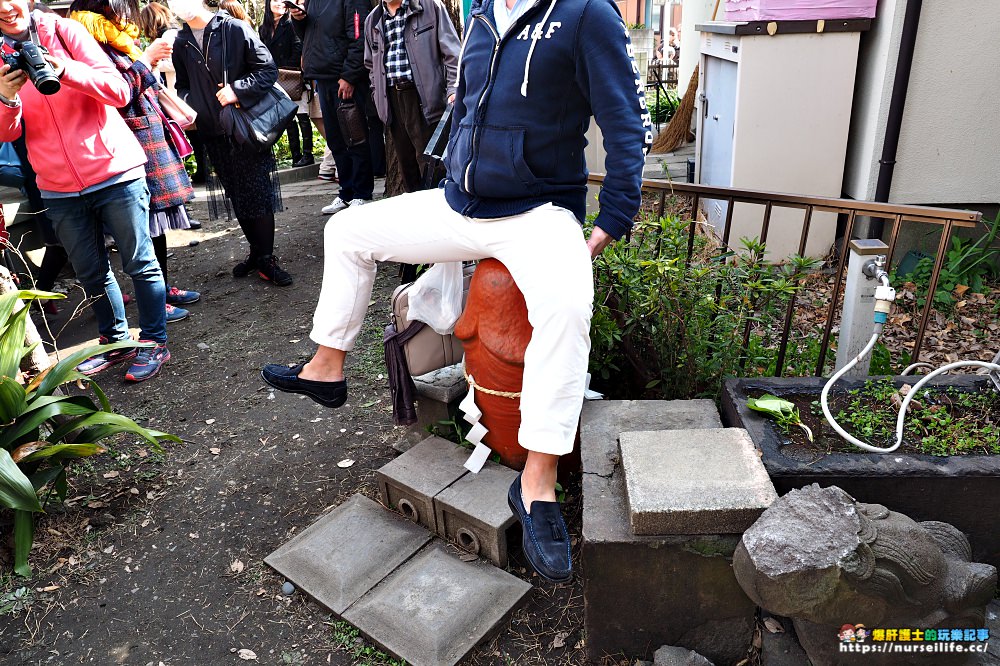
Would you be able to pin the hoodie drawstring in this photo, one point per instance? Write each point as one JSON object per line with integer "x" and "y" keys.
{"x": 535, "y": 36}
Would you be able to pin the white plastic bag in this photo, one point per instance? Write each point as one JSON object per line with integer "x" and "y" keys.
{"x": 436, "y": 297}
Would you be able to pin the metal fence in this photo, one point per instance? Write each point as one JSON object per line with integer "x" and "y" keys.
{"x": 894, "y": 214}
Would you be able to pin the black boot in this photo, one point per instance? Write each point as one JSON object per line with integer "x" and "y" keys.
{"x": 268, "y": 269}
{"x": 293, "y": 143}
{"x": 305, "y": 128}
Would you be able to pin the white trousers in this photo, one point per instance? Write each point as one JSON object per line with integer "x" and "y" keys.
{"x": 545, "y": 252}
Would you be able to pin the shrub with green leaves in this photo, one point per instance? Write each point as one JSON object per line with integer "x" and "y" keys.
{"x": 662, "y": 107}
{"x": 42, "y": 428}
{"x": 663, "y": 329}
{"x": 969, "y": 263}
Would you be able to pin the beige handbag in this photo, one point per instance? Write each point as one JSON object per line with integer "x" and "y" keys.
{"x": 427, "y": 351}
{"x": 176, "y": 109}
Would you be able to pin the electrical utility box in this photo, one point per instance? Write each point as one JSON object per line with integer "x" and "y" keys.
{"x": 773, "y": 114}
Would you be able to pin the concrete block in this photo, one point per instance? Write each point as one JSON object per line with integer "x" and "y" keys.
{"x": 435, "y": 608}
{"x": 438, "y": 395}
{"x": 708, "y": 481}
{"x": 445, "y": 385}
{"x": 473, "y": 512}
{"x": 410, "y": 482}
{"x": 344, "y": 554}
{"x": 641, "y": 592}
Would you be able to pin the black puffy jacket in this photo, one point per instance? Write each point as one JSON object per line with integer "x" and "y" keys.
{"x": 333, "y": 45}
{"x": 249, "y": 66}
{"x": 284, "y": 45}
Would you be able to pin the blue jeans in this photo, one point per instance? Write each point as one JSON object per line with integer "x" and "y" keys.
{"x": 122, "y": 209}
{"x": 354, "y": 164}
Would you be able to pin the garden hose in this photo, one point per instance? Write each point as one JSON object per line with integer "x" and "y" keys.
{"x": 884, "y": 295}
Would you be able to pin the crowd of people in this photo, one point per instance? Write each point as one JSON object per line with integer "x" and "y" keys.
{"x": 523, "y": 85}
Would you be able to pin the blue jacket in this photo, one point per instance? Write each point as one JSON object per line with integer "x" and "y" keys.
{"x": 525, "y": 101}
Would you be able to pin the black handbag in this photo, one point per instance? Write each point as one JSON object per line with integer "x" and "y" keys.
{"x": 261, "y": 125}
{"x": 353, "y": 123}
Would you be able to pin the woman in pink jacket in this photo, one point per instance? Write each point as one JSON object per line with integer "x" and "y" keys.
{"x": 91, "y": 175}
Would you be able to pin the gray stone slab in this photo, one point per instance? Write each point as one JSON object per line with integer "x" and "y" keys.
{"x": 435, "y": 609}
{"x": 344, "y": 554}
{"x": 708, "y": 481}
{"x": 410, "y": 482}
{"x": 687, "y": 592}
{"x": 603, "y": 420}
{"x": 992, "y": 655}
{"x": 473, "y": 512}
{"x": 444, "y": 385}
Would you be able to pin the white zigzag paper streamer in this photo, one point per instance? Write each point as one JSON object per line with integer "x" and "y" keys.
{"x": 472, "y": 414}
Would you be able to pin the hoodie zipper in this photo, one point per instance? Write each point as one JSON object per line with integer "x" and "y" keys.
{"x": 477, "y": 133}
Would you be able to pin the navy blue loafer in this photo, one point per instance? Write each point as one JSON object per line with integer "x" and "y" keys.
{"x": 545, "y": 539}
{"x": 283, "y": 378}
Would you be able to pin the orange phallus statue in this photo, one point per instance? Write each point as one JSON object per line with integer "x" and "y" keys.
{"x": 494, "y": 331}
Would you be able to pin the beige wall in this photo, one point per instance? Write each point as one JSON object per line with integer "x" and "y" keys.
{"x": 949, "y": 149}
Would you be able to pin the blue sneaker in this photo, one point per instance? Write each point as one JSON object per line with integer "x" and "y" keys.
{"x": 148, "y": 362}
{"x": 176, "y": 314}
{"x": 101, "y": 362}
{"x": 177, "y": 296}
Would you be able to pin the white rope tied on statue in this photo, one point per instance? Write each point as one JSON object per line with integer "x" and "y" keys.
{"x": 472, "y": 414}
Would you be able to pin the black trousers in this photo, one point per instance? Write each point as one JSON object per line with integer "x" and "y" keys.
{"x": 354, "y": 164}
{"x": 410, "y": 133}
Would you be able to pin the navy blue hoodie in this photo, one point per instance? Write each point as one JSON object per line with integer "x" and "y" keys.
{"x": 525, "y": 101}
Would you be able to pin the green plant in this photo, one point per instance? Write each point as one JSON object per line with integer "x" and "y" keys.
{"x": 942, "y": 421}
{"x": 636, "y": 26}
{"x": 668, "y": 327}
{"x": 42, "y": 427}
{"x": 15, "y": 601}
{"x": 662, "y": 107}
{"x": 967, "y": 266}
{"x": 783, "y": 411}
{"x": 349, "y": 639}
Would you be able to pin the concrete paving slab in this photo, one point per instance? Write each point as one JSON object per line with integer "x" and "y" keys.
{"x": 410, "y": 482}
{"x": 473, "y": 512}
{"x": 435, "y": 608}
{"x": 344, "y": 554}
{"x": 708, "y": 481}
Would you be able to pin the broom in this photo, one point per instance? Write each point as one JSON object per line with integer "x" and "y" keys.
{"x": 675, "y": 134}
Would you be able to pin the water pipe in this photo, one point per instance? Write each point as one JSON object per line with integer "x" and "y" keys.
{"x": 884, "y": 296}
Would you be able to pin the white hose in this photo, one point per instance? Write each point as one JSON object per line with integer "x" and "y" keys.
{"x": 900, "y": 421}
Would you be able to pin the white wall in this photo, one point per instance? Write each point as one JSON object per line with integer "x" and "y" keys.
{"x": 949, "y": 149}
{"x": 692, "y": 12}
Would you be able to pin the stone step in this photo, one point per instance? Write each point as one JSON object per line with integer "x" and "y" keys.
{"x": 473, "y": 513}
{"x": 430, "y": 485}
{"x": 705, "y": 481}
{"x": 641, "y": 592}
{"x": 409, "y": 483}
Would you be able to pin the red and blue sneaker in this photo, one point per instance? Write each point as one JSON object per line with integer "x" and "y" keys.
{"x": 102, "y": 362}
{"x": 148, "y": 362}
{"x": 177, "y": 296}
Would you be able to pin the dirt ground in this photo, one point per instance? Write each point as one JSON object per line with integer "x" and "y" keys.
{"x": 158, "y": 558}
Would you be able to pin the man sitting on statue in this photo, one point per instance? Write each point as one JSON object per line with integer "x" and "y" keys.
{"x": 531, "y": 75}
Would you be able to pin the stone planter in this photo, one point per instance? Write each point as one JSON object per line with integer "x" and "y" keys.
{"x": 961, "y": 490}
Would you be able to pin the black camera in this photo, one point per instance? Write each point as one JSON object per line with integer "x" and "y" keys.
{"x": 30, "y": 57}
